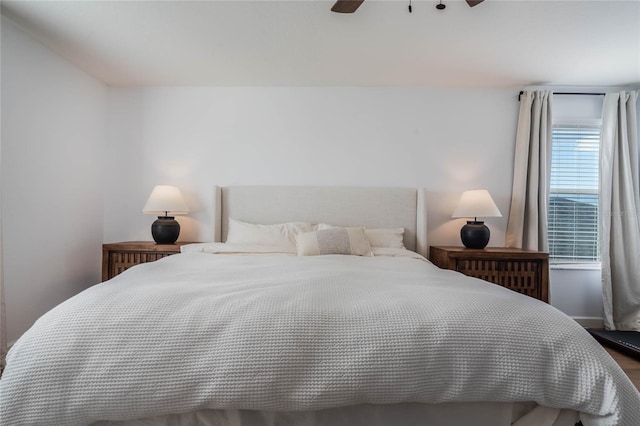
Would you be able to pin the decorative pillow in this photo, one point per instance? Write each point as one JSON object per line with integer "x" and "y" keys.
{"x": 334, "y": 241}
{"x": 385, "y": 237}
{"x": 378, "y": 237}
{"x": 282, "y": 235}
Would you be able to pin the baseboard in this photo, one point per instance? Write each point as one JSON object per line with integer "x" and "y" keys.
{"x": 590, "y": 322}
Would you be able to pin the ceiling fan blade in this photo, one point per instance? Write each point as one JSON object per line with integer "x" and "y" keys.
{"x": 474, "y": 2}
{"x": 346, "y": 6}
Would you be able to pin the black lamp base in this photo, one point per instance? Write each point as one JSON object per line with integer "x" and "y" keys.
{"x": 165, "y": 230}
{"x": 475, "y": 234}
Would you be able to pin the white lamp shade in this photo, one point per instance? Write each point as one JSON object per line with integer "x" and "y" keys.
{"x": 476, "y": 203}
{"x": 165, "y": 200}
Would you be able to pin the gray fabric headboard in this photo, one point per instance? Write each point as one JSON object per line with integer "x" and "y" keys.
{"x": 336, "y": 205}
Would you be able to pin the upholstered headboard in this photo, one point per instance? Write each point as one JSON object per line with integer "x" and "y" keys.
{"x": 341, "y": 206}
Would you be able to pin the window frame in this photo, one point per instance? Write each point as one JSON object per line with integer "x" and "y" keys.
{"x": 575, "y": 264}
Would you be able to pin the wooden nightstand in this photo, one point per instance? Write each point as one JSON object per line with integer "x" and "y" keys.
{"x": 118, "y": 257}
{"x": 524, "y": 271}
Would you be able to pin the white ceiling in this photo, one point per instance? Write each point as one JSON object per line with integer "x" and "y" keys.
{"x": 302, "y": 43}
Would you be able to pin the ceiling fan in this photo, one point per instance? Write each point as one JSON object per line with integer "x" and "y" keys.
{"x": 350, "y": 6}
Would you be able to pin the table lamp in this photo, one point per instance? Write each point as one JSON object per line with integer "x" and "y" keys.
{"x": 476, "y": 203}
{"x": 165, "y": 200}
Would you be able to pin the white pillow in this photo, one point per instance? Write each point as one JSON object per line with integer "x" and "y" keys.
{"x": 282, "y": 235}
{"x": 334, "y": 241}
{"x": 378, "y": 237}
{"x": 385, "y": 237}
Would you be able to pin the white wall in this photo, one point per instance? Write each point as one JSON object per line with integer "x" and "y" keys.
{"x": 447, "y": 140}
{"x": 52, "y": 164}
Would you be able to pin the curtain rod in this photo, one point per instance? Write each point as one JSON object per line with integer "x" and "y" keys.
{"x": 568, "y": 93}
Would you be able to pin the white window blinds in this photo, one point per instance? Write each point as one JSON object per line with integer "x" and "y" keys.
{"x": 573, "y": 194}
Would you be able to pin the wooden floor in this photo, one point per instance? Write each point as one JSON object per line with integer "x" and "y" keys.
{"x": 631, "y": 366}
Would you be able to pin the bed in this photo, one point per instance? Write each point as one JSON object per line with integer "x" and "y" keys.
{"x": 243, "y": 334}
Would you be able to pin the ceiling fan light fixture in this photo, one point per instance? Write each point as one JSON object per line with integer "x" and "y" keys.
{"x": 350, "y": 6}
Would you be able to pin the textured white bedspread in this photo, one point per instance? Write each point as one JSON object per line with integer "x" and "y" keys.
{"x": 286, "y": 333}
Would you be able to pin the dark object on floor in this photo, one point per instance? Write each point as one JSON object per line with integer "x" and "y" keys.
{"x": 623, "y": 341}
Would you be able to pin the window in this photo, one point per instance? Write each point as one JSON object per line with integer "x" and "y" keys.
{"x": 573, "y": 194}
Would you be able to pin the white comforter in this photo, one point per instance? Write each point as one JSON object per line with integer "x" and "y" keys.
{"x": 270, "y": 332}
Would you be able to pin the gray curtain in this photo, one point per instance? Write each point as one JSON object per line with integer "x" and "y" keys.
{"x": 527, "y": 223}
{"x": 620, "y": 212}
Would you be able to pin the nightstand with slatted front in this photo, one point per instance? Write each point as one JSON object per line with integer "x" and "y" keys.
{"x": 118, "y": 257}
{"x": 524, "y": 271}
